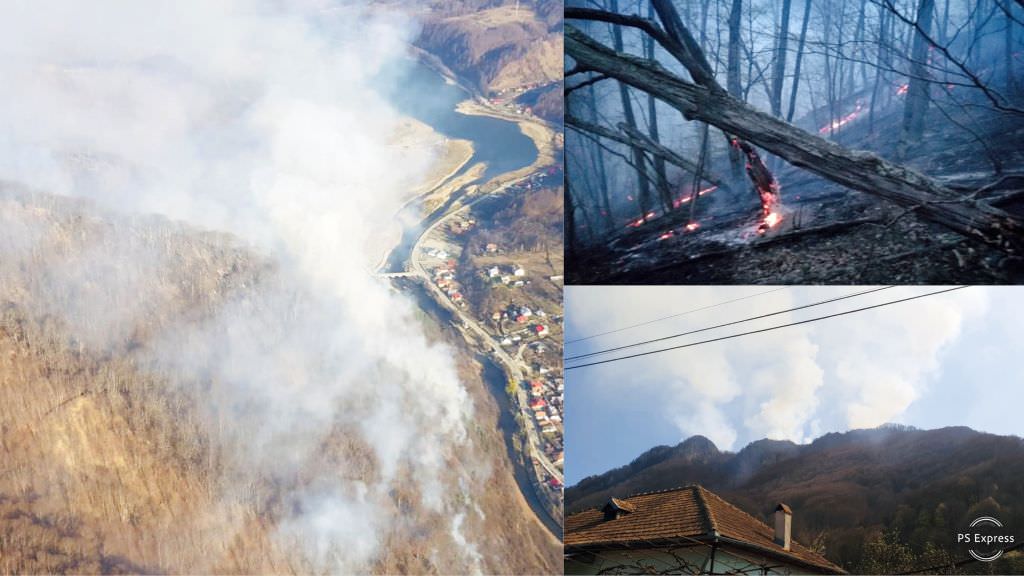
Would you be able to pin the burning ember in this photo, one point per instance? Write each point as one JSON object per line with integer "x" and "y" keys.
{"x": 767, "y": 188}
{"x": 840, "y": 122}
{"x": 679, "y": 201}
{"x": 640, "y": 221}
{"x": 692, "y": 226}
{"x": 902, "y": 89}
{"x": 770, "y": 210}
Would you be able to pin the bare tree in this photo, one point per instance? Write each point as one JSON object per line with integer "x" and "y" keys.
{"x": 918, "y": 94}
{"x": 779, "y": 74}
{"x": 643, "y": 187}
{"x": 799, "y": 61}
{"x": 733, "y": 72}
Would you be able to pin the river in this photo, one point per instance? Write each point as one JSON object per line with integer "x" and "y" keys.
{"x": 419, "y": 91}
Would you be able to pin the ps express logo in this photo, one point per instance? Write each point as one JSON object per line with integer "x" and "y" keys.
{"x": 987, "y": 537}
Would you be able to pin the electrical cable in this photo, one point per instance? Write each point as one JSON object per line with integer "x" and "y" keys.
{"x": 675, "y": 315}
{"x": 819, "y": 303}
{"x": 809, "y": 320}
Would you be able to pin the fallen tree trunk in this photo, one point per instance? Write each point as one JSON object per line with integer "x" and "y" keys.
{"x": 859, "y": 170}
{"x": 636, "y": 138}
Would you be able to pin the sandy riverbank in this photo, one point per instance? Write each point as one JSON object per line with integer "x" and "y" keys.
{"x": 451, "y": 156}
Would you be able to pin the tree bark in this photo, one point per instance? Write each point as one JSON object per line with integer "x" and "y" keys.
{"x": 880, "y": 64}
{"x": 733, "y": 75}
{"x": 916, "y": 106}
{"x": 799, "y": 61}
{"x": 855, "y": 169}
{"x": 779, "y": 75}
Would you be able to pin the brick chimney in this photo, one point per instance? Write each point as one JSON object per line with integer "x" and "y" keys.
{"x": 783, "y": 526}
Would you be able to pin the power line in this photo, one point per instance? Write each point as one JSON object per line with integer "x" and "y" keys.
{"x": 676, "y": 315}
{"x": 819, "y": 303}
{"x": 765, "y": 329}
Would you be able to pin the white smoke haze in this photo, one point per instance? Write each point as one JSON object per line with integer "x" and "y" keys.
{"x": 792, "y": 384}
{"x": 882, "y": 366}
{"x": 257, "y": 118}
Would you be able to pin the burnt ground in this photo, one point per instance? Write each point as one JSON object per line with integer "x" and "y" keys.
{"x": 830, "y": 234}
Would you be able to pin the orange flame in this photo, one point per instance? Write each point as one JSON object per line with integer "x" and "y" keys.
{"x": 839, "y": 123}
{"x": 640, "y": 221}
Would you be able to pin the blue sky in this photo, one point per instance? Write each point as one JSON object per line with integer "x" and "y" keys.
{"x": 944, "y": 360}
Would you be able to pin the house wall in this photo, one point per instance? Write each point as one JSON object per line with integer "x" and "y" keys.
{"x": 659, "y": 561}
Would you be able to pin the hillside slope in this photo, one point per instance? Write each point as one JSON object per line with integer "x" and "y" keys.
{"x": 497, "y": 46}
{"x": 117, "y": 457}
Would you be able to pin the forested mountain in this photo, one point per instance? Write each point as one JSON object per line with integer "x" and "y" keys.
{"x": 893, "y": 488}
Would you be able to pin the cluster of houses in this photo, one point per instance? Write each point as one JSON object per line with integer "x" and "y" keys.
{"x": 546, "y": 404}
{"x": 444, "y": 278}
{"x": 506, "y": 98}
{"x": 509, "y": 104}
{"x": 534, "y": 323}
{"x": 508, "y": 275}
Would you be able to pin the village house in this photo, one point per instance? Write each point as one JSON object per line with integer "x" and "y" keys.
{"x": 536, "y": 388}
{"x": 687, "y": 530}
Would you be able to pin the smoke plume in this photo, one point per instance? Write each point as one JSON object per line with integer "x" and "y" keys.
{"x": 257, "y": 118}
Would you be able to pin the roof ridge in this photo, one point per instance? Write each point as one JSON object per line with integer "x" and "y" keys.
{"x": 635, "y": 494}
{"x": 703, "y": 503}
{"x": 665, "y": 490}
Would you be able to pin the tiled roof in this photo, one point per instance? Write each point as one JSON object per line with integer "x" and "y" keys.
{"x": 690, "y": 512}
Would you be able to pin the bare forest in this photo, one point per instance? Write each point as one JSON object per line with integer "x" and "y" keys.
{"x": 792, "y": 141}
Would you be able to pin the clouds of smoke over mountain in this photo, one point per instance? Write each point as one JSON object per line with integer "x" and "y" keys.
{"x": 257, "y": 118}
{"x": 860, "y": 371}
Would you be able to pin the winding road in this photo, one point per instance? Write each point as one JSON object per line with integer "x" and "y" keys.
{"x": 515, "y": 367}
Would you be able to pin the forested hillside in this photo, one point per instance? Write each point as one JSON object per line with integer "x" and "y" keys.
{"x": 893, "y": 491}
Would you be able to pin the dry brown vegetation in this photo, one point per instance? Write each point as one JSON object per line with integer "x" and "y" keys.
{"x": 495, "y": 45}
{"x": 111, "y": 463}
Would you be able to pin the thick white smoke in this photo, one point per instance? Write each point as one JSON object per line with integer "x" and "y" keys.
{"x": 258, "y": 118}
{"x": 854, "y": 372}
